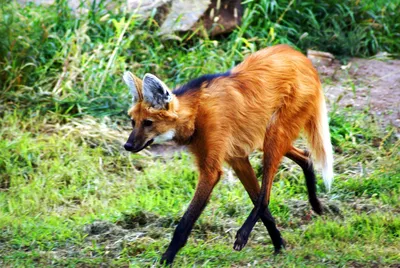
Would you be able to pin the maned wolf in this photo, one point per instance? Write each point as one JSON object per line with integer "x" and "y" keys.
{"x": 263, "y": 103}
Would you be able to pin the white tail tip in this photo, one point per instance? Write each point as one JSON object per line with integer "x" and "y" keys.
{"x": 327, "y": 175}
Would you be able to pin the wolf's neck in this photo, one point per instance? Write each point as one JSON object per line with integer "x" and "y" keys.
{"x": 186, "y": 107}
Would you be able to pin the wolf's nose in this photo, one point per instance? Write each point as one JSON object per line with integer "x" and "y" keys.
{"x": 128, "y": 146}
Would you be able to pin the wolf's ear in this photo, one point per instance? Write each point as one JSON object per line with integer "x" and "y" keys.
{"x": 135, "y": 86}
{"x": 155, "y": 92}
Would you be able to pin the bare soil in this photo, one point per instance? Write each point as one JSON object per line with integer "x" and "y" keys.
{"x": 371, "y": 85}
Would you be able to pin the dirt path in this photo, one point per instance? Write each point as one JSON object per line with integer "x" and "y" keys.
{"x": 365, "y": 84}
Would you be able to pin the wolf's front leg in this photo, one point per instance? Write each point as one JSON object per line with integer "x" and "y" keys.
{"x": 207, "y": 181}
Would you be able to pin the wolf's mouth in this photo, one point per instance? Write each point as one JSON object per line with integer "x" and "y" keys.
{"x": 144, "y": 146}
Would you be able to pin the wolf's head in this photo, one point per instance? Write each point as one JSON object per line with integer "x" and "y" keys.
{"x": 153, "y": 112}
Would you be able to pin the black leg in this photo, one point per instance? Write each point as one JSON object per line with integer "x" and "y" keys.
{"x": 185, "y": 226}
{"x": 269, "y": 222}
{"x": 312, "y": 189}
{"x": 246, "y": 175}
{"x": 261, "y": 210}
{"x": 274, "y": 233}
{"x": 243, "y": 233}
{"x": 304, "y": 161}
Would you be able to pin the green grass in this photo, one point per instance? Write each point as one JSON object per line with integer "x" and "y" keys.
{"x": 70, "y": 195}
{"x": 56, "y": 183}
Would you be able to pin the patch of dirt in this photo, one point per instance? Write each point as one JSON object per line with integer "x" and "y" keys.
{"x": 368, "y": 206}
{"x": 365, "y": 84}
{"x": 132, "y": 221}
{"x": 111, "y": 236}
{"x": 136, "y": 229}
{"x": 104, "y": 229}
{"x": 301, "y": 209}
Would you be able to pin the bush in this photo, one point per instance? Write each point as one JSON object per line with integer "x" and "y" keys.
{"x": 342, "y": 27}
{"x": 51, "y": 60}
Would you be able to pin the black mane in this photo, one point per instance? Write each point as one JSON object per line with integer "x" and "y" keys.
{"x": 195, "y": 84}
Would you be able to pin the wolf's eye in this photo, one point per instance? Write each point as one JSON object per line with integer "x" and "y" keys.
{"x": 147, "y": 123}
{"x": 133, "y": 123}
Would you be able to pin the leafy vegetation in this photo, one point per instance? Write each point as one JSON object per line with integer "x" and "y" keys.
{"x": 70, "y": 196}
{"x": 345, "y": 28}
{"x": 70, "y": 64}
